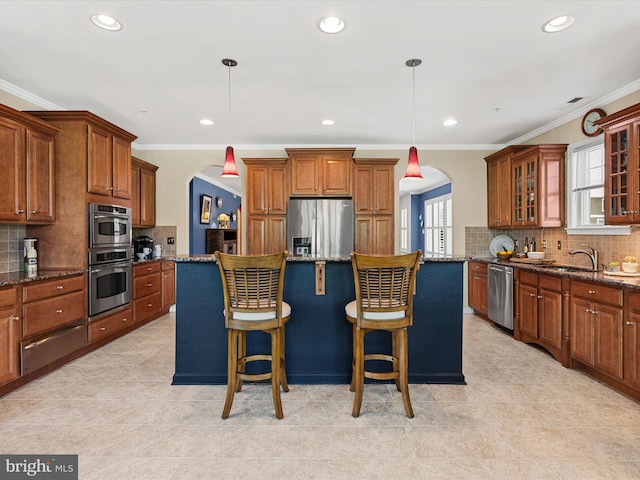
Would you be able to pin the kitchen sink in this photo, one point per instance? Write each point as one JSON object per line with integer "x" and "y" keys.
{"x": 561, "y": 268}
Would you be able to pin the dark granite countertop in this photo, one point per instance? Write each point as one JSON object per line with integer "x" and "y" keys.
{"x": 211, "y": 258}
{"x": 16, "y": 278}
{"x": 577, "y": 273}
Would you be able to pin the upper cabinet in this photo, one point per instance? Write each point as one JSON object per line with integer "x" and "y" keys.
{"x": 27, "y": 163}
{"x": 499, "y": 186}
{"x": 103, "y": 147}
{"x": 622, "y": 166}
{"x": 143, "y": 193}
{"x": 534, "y": 194}
{"x": 321, "y": 171}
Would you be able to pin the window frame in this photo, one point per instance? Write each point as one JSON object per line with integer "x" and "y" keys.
{"x": 447, "y": 234}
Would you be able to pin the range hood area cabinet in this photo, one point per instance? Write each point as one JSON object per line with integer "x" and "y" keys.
{"x": 536, "y": 189}
{"x": 143, "y": 193}
{"x": 622, "y": 166}
{"x": 267, "y": 199}
{"x": 27, "y": 163}
{"x": 321, "y": 172}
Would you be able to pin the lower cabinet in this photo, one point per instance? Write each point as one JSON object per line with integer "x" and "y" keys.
{"x": 374, "y": 234}
{"x": 632, "y": 340}
{"x": 110, "y": 324}
{"x": 540, "y": 313}
{"x": 596, "y": 314}
{"x": 266, "y": 234}
{"x": 147, "y": 290}
{"x": 10, "y": 334}
{"x": 168, "y": 284}
{"x": 477, "y": 287}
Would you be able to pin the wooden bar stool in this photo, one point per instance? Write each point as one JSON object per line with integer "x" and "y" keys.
{"x": 384, "y": 301}
{"x": 252, "y": 287}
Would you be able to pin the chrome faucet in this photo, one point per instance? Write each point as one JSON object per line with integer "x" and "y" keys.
{"x": 593, "y": 255}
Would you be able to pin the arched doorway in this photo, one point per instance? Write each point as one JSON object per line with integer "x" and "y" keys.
{"x": 425, "y": 213}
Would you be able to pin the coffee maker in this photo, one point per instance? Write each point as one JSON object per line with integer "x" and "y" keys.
{"x": 143, "y": 248}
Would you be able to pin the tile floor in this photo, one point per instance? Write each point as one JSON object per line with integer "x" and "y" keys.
{"x": 521, "y": 416}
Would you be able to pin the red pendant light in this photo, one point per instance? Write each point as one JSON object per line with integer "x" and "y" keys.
{"x": 413, "y": 166}
{"x": 229, "y": 169}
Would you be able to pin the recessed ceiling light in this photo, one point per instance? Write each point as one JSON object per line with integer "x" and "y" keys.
{"x": 450, "y": 122}
{"x": 107, "y": 22}
{"x": 328, "y": 122}
{"x": 331, "y": 24}
{"x": 558, "y": 24}
{"x": 206, "y": 121}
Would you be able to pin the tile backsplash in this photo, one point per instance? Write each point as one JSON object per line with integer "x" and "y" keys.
{"x": 611, "y": 247}
{"x": 11, "y": 251}
{"x": 160, "y": 236}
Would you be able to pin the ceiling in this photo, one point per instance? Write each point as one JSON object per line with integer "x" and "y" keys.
{"x": 486, "y": 63}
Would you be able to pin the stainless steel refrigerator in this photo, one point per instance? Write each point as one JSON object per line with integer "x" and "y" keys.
{"x": 320, "y": 227}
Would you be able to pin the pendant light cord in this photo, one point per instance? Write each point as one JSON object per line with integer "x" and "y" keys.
{"x": 413, "y": 71}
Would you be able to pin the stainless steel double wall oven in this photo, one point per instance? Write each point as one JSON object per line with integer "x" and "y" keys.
{"x": 110, "y": 264}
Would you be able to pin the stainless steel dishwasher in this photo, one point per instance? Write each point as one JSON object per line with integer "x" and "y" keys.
{"x": 500, "y": 291}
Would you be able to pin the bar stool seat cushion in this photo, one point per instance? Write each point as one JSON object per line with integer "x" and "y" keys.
{"x": 351, "y": 309}
{"x": 286, "y": 312}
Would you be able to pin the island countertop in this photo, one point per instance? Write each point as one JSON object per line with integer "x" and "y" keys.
{"x": 318, "y": 335}
{"x": 309, "y": 259}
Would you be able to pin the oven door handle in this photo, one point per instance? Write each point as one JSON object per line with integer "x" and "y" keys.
{"x": 111, "y": 266}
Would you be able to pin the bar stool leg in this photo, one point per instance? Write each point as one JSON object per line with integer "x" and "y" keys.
{"x": 275, "y": 371}
{"x": 352, "y": 387}
{"x": 232, "y": 370}
{"x": 358, "y": 370}
{"x": 242, "y": 352}
{"x": 283, "y": 372}
{"x": 404, "y": 371}
{"x": 395, "y": 349}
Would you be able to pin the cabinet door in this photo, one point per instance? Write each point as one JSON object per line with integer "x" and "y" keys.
{"x": 278, "y": 196}
{"x": 257, "y": 190}
{"x": 498, "y": 188}
{"x": 135, "y": 196}
{"x": 12, "y": 193}
{"x": 147, "y": 198}
{"x": 550, "y": 318}
{"x": 528, "y": 299}
{"x": 336, "y": 175}
{"x": 478, "y": 291}
{"x": 276, "y": 240}
{"x": 168, "y": 284}
{"x": 362, "y": 189}
{"x": 619, "y": 177}
{"x": 524, "y": 180}
{"x": 582, "y": 331}
{"x": 374, "y": 234}
{"x": 10, "y": 327}
{"x": 99, "y": 166}
{"x": 40, "y": 177}
{"x": 608, "y": 345}
{"x": 121, "y": 173}
{"x": 632, "y": 350}
{"x": 305, "y": 175}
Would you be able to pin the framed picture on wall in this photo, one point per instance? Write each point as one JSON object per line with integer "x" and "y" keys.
{"x": 205, "y": 209}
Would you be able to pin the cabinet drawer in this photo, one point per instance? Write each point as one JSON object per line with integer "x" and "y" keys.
{"x": 477, "y": 267}
{"x": 52, "y": 288}
{"x": 599, "y": 293}
{"x": 168, "y": 265}
{"x": 146, "y": 268}
{"x": 147, "y": 306}
{"x": 110, "y": 324}
{"x": 549, "y": 282}
{"x": 529, "y": 278}
{"x": 8, "y": 297}
{"x": 143, "y": 286}
{"x": 51, "y": 313}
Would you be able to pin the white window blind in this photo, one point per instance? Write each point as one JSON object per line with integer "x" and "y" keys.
{"x": 438, "y": 232}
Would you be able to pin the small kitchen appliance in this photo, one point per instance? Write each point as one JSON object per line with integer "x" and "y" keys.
{"x": 143, "y": 247}
{"x": 31, "y": 257}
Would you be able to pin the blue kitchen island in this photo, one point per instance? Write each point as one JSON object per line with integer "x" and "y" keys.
{"x": 318, "y": 337}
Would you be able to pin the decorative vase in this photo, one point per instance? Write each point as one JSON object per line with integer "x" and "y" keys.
{"x": 629, "y": 267}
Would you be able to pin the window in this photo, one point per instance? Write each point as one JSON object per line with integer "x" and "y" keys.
{"x": 438, "y": 227}
{"x": 586, "y": 191}
{"x": 404, "y": 229}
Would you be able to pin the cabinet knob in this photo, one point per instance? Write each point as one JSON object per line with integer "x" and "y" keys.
{"x": 59, "y": 287}
{"x": 149, "y": 284}
{"x": 124, "y": 320}
{"x": 15, "y": 318}
{"x": 629, "y": 323}
{"x": 103, "y": 329}
{"x": 592, "y": 292}
{"x": 540, "y": 296}
{"x": 20, "y": 211}
{"x": 532, "y": 294}
{"x": 148, "y": 269}
{"x": 149, "y": 305}
{"x": 59, "y": 310}
{"x": 32, "y": 212}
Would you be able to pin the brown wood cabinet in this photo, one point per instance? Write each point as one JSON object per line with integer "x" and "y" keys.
{"x": 109, "y": 162}
{"x": 147, "y": 290}
{"x": 267, "y": 200}
{"x": 622, "y": 166}
{"x": 321, "y": 171}
{"x": 477, "y": 287}
{"x": 540, "y": 313}
{"x": 110, "y": 324}
{"x": 632, "y": 340}
{"x": 50, "y": 304}
{"x": 373, "y": 203}
{"x": 597, "y": 327}
{"x": 27, "y": 165}
{"x": 143, "y": 193}
{"x": 168, "y": 284}
{"x": 499, "y": 186}
{"x": 538, "y": 186}
{"x": 10, "y": 334}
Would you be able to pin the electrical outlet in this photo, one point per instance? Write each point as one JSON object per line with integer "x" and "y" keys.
{"x": 544, "y": 244}
{"x": 559, "y": 245}
{"x": 171, "y": 240}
